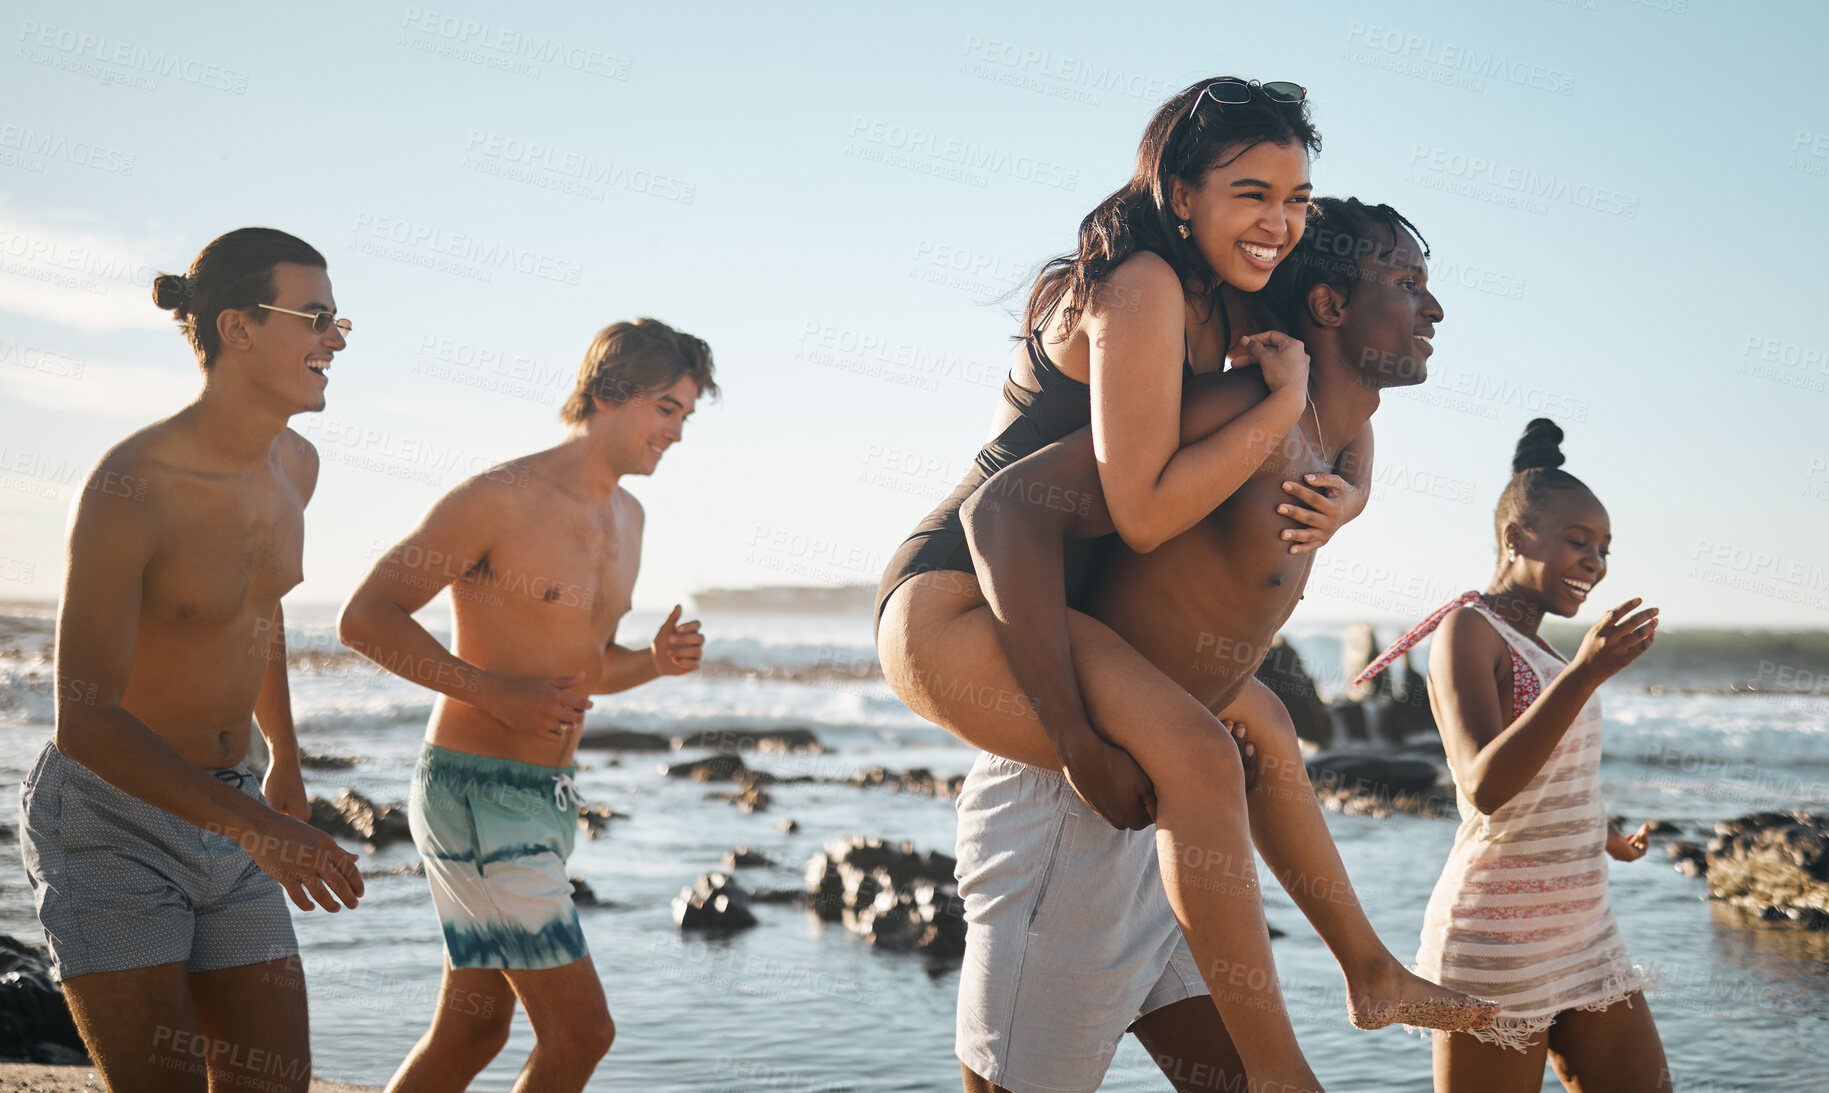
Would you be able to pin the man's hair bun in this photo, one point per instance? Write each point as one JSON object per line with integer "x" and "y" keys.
{"x": 1540, "y": 448}
{"x": 171, "y": 292}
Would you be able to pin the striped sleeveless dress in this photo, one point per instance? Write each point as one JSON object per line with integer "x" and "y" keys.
{"x": 1520, "y": 914}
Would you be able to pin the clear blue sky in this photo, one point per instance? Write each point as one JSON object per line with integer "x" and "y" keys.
{"x": 1624, "y": 200}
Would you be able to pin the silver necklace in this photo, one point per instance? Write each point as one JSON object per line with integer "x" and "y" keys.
{"x": 1319, "y": 440}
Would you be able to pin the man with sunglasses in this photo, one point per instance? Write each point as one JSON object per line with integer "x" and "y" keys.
{"x": 159, "y": 871}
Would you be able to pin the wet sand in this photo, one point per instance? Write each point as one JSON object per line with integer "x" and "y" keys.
{"x": 36, "y": 1078}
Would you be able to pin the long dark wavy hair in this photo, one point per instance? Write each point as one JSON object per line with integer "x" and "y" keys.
{"x": 1180, "y": 142}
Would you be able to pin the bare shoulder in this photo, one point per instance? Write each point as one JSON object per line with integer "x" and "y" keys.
{"x": 627, "y": 504}
{"x": 298, "y": 458}
{"x": 501, "y": 493}
{"x": 1143, "y": 287}
{"x": 1466, "y": 633}
{"x": 127, "y": 471}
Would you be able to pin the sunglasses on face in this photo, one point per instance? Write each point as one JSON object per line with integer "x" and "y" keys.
{"x": 1233, "y": 92}
{"x": 321, "y": 321}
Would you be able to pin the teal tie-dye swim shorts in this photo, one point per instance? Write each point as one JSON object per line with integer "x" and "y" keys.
{"x": 495, "y": 834}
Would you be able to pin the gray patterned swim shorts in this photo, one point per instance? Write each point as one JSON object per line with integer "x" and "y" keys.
{"x": 121, "y": 884}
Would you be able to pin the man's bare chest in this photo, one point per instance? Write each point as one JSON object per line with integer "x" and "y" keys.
{"x": 224, "y": 550}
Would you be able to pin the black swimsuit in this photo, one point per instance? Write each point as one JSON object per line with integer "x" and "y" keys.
{"x": 1056, "y": 407}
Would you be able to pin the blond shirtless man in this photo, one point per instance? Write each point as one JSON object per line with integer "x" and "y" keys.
{"x": 159, "y": 871}
{"x": 541, "y": 555}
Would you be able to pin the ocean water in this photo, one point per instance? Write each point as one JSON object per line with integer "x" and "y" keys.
{"x": 798, "y": 1005}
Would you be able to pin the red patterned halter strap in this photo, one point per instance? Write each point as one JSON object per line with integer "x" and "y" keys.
{"x": 1525, "y": 684}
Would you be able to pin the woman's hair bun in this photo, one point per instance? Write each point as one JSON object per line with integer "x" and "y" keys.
{"x": 1540, "y": 448}
{"x": 171, "y": 292}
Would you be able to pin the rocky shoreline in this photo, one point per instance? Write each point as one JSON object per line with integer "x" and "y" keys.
{"x": 1772, "y": 865}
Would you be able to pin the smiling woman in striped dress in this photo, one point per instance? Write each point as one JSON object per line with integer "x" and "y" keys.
{"x": 1520, "y": 913}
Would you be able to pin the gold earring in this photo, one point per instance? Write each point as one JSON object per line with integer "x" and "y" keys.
{"x": 1183, "y": 229}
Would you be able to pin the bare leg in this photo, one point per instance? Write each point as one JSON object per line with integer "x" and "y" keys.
{"x": 571, "y": 1026}
{"x": 941, "y": 654}
{"x": 1466, "y": 1065}
{"x": 1190, "y": 1043}
{"x": 975, "y": 1084}
{"x": 469, "y": 1028}
{"x": 1291, "y": 834}
{"x": 139, "y": 1028}
{"x": 256, "y": 1025}
{"x": 1617, "y": 1050}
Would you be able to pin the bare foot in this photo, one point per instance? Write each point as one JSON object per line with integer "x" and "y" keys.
{"x": 1396, "y": 994}
{"x": 1247, "y": 753}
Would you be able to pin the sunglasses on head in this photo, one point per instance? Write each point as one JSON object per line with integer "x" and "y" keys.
{"x": 1235, "y": 92}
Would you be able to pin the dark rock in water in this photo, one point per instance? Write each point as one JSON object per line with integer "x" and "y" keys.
{"x": 1348, "y": 718}
{"x": 777, "y": 895}
{"x": 1665, "y": 827}
{"x": 327, "y": 762}
{"x": 745, "y": 858}
{"x": 716, "y": 902}
{"x": 789, "y": 826}
{"x": 718, "y": 768}
{"x": 778, "y": 741}
{"x": 622, "y": 740}
{"x": 1775, "y": 864}
{"x": 1377, "y": 785}
{"x": 917, "y": 780}
{"x": 1411, "y": 706}
{"x": 410, "y": 869}
{"x": 1395, "y": 718}
{"x": 355, "y": 817}
{"x": 1283, "y": 672}
{"x": 891, "y": 895}
{"x": 595, "y": 819}
{"x": 1690, "y": 859}
{"x": 35, "y": 1024}
{"x": 751, "y": 798}
{"x": 582, "y": 895}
